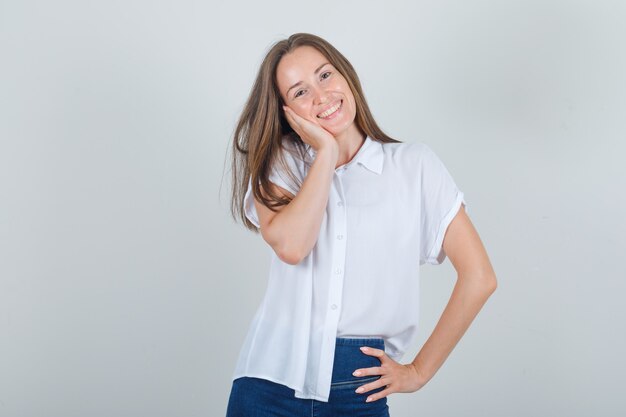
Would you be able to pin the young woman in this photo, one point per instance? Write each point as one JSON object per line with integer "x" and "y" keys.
{"x": 350, "y": 214}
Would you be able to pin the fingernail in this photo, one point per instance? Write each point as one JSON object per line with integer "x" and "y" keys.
{"x": 359, "y": 390}
{"x": 368, "y": 399}
{"x": 356, "y": 373}
{"x": 363, "y": 348}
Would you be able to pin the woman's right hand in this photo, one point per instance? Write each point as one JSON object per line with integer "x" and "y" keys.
{"x": 310, "y": 131}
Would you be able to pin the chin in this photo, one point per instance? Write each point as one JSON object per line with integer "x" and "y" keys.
{"x": 338, "y": 130}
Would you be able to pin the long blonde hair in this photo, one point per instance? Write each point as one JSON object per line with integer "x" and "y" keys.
{"x": 257, "y": 139}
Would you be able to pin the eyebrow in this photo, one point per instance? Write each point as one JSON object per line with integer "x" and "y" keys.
{"x": 300, "y": 82}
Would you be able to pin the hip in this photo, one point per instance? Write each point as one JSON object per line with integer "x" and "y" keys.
{"x": 262, "y": 397}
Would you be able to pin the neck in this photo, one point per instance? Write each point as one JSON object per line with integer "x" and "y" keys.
{"x": 349, "y": 142}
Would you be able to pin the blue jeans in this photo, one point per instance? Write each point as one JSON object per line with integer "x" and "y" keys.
{"x": 256, "y": 397}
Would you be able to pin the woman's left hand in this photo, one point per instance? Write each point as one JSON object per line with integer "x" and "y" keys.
{"x": 396, "y": 377}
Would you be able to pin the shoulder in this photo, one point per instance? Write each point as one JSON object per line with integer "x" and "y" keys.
{"x": 404, "y": 147}
{"x": 407, "y": 154}
{"x": 288, "y": 167}
{"x": 292, "y": 148}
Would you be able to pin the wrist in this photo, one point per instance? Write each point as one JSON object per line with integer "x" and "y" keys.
{"x": 423, "y": 373}
{"x": 329, "y": 152}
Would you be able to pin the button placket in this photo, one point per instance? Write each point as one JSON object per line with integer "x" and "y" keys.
{"x": 335, "y": 286}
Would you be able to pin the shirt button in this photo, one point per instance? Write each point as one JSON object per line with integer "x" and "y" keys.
{"x": 338, "y": 271}
{"x": 334, "y": 306}
{"x": 339, "y": 236}
{"x": 340, "y": 203}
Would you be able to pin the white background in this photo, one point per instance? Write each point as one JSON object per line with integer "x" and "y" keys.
{"x": 126, "y": 288}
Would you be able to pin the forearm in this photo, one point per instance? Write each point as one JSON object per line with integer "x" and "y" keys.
{"x": 468, "y": 297}
{"x": 298, "y": 224}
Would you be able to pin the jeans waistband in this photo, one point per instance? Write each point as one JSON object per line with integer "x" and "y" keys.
{"x": 358, "y": 341}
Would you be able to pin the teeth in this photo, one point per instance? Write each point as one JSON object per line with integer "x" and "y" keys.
{"x": 329, "y": 111}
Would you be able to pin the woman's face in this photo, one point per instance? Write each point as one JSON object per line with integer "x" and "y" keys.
{"x": 313, "y": 88}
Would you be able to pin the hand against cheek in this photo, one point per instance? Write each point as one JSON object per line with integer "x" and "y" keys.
{"x": 394, "y": 376}
{"x": 310, "y": 131}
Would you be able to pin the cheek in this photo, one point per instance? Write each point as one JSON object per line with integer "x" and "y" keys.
{"x": 348, "y": 94}
{"x": 352, "y": 103}
{"x": 302, "y": 111}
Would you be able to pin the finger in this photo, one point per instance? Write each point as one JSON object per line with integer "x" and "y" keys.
{"x": 369, "y": 386}
{"x": 288, "y": 112}
{"x": 379, "y": 395}
{"x": 292, "y": 122}
{"x": 374, "y": 370}
{"x": 379, "y": 353}
{"x": 301, "y": 120}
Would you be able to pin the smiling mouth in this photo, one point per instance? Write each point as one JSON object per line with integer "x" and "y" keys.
{"x": 330, "y": 111}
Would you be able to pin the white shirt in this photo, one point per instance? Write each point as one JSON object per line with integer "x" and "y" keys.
{"x": 387, "y": 213}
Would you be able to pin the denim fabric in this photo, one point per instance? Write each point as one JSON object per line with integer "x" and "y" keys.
{"x": 257, "y": 397}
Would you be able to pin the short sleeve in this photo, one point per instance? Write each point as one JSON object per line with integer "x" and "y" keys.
{"x": 279, "y": 177}
{"x": 441, "y": 199}
{"x": 248, "y": 206}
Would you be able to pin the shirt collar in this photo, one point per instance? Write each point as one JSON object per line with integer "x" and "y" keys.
{"x": 370, "y": 155}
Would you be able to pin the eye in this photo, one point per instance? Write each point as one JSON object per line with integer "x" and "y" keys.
{"x": 297, "y": 93}
{"x": 327, "y": 72}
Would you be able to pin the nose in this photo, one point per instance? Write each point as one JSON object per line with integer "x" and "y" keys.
{"x": 321, "y": 97}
